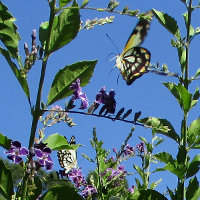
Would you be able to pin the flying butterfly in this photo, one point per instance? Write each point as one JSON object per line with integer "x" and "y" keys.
{"x": 133, "y": 62}
{"x": 68, "y": 157}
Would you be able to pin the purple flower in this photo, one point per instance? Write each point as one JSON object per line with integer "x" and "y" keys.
{"x": 129, "y": 151}
{"x": 131, "y": 189}
{"x": 77, "y": 177}
{"x": 107, "y": 99}
{"x": 43, "y": 158}
{"x": 141, "y": 147}
{"x": 88, "y": 191}
{"x": 78, "y": 94}
{"x": 16, "y": 151}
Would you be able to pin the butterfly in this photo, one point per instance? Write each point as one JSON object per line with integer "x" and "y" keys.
{"x": 133, "y": 62}
{"x": 68, "y": 157}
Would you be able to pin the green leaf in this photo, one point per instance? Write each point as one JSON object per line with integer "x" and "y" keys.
{"x": 140, "y": 172}
{"x": 59, "y": 142}
{"x": 192, "y": 32}
{"x": 37, "y": 189}
{"x": 197, "y": 74}
{"x": 5, "y": 142}
{"x": 182, "y": 95}
{"x": 193, "y": 167}
{"x": 8, "y": 31}
{"x": 161, "y": 126}
{"x": 85, "y": 3}
{"x": 195, "y": 98}
{"x": 61, "y": 193}
{"x": 168, "y": 22}
{"x": 60, "y": 87}
{"x": 64, "y": 30}
{"x": 182, "y": 57}
{"x": 150, "y": 195}
{"x": 193, "y": 134}
{"x": 6, "y": 183}
{"x": 165, "y": 157}
{"x": 16, "y": 72}
{"x": 89, "y": 159}
{"x": 64, "y": 2}
{"x": 193, "y": 189}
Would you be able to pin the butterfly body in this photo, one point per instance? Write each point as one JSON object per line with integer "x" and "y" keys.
{"x": 133, "y": 62}
{"x": 68, "y": 157}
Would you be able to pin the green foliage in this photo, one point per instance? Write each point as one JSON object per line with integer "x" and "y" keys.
{"x": 168, "y": 22}
{"x": 5, "y": 142}
{"x": 193, "y": 189}
{"x": 161, "y": 126}
{"x": 59, "y": 142}
{"x": 64, "y": 29}
{"x": 8, "y": 31}
{"x": 60, "y": 87}
{"x": 61, "y": 193}
{"x": 6, "y": 184}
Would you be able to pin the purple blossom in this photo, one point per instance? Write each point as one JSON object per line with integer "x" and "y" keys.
{"x": 107, "y": 99}
{"x": 78, "y": 94}
{"x": 131, "y": 189}
{"x": 141, "y": 147}
{"x": 88, "y": 191}
{"x": 43, "y": 158}
{"x": 77, "y": 177}
{"x": 120, "y": 172}
{"x": 16, "y": 151}
{"x": 129, "y": 151}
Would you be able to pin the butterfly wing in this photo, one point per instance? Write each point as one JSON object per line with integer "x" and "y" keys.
{"x": 133, "y": 64}
{"x": 68, "y": 157}
{"x": 134, "y": 60}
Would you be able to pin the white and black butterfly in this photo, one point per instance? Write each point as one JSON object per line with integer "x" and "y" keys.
{"x": 68, "y": 157}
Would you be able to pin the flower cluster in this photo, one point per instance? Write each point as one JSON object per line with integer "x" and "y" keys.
{"x": 141, "y": 148}
{"x": 113, "y": 174}
{"x": 77, "y": 178}
{"x": 107, "y": 99}
{"x": 40, "y": 151}
{"x": 78, "y": 94}
{"x": 57, "y": 115}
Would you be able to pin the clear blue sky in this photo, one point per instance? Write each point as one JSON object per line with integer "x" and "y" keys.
{"x": 146, "y": 94}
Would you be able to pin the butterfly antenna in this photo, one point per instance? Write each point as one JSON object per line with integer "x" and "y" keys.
{"x": 113, "y": 43}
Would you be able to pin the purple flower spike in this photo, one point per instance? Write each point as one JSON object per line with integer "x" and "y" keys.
{"x": 88, "y": 190}
{"x": 43, "y": 158}
{"x": 77, "y": 177}
{"x": 129, "y": 151}
{"x": 16, "y": 151}
{"x": 131, "y": 189}
{"x": 78, "y": 94}
{"x": 141, "y": 147}
{"x": 107, "y": 99}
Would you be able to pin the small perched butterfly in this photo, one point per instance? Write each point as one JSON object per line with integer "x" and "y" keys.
{"x": 133, "y": 62}
{"x": 68, "y": 157}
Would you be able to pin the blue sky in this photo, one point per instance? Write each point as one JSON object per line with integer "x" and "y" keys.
{"x": 146, "y": 94}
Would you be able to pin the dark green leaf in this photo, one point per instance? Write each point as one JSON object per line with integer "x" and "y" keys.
{"x": 8, "y": 31}
{"x": 165, "y": 157}
{"x": 150, "y": 195}
{"x": 119, "y": 113}
{"x": 168, "y": 22}
{"x": 16, "y": 72}
{"x": 140, "y": 172}
{"x": 60, "y": 87}
{"x": 182, "y": 95}
{"x": 6, "y": 183}
{"x": 64, "y": 2}
{"x": 127, "y": 113}
{"x": 58, "y": 142}
{"x": 191, "y": 31}
{"x": 182, "y": 57}
{"x": 197, "y": 74}
{"x": 161, "y": 126}
{"x": 193, "y": 190}
{"x": 193, "y": 134}
{"x": 5, "y": 142}
{"x": 61, "y": 193}
{"x": 85, "y": 3}
{"x": 37, "y": 189}
{"x": 64, "y": 30}
{"x": 195, "y": 97}
{"x": 193, "y": 167}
